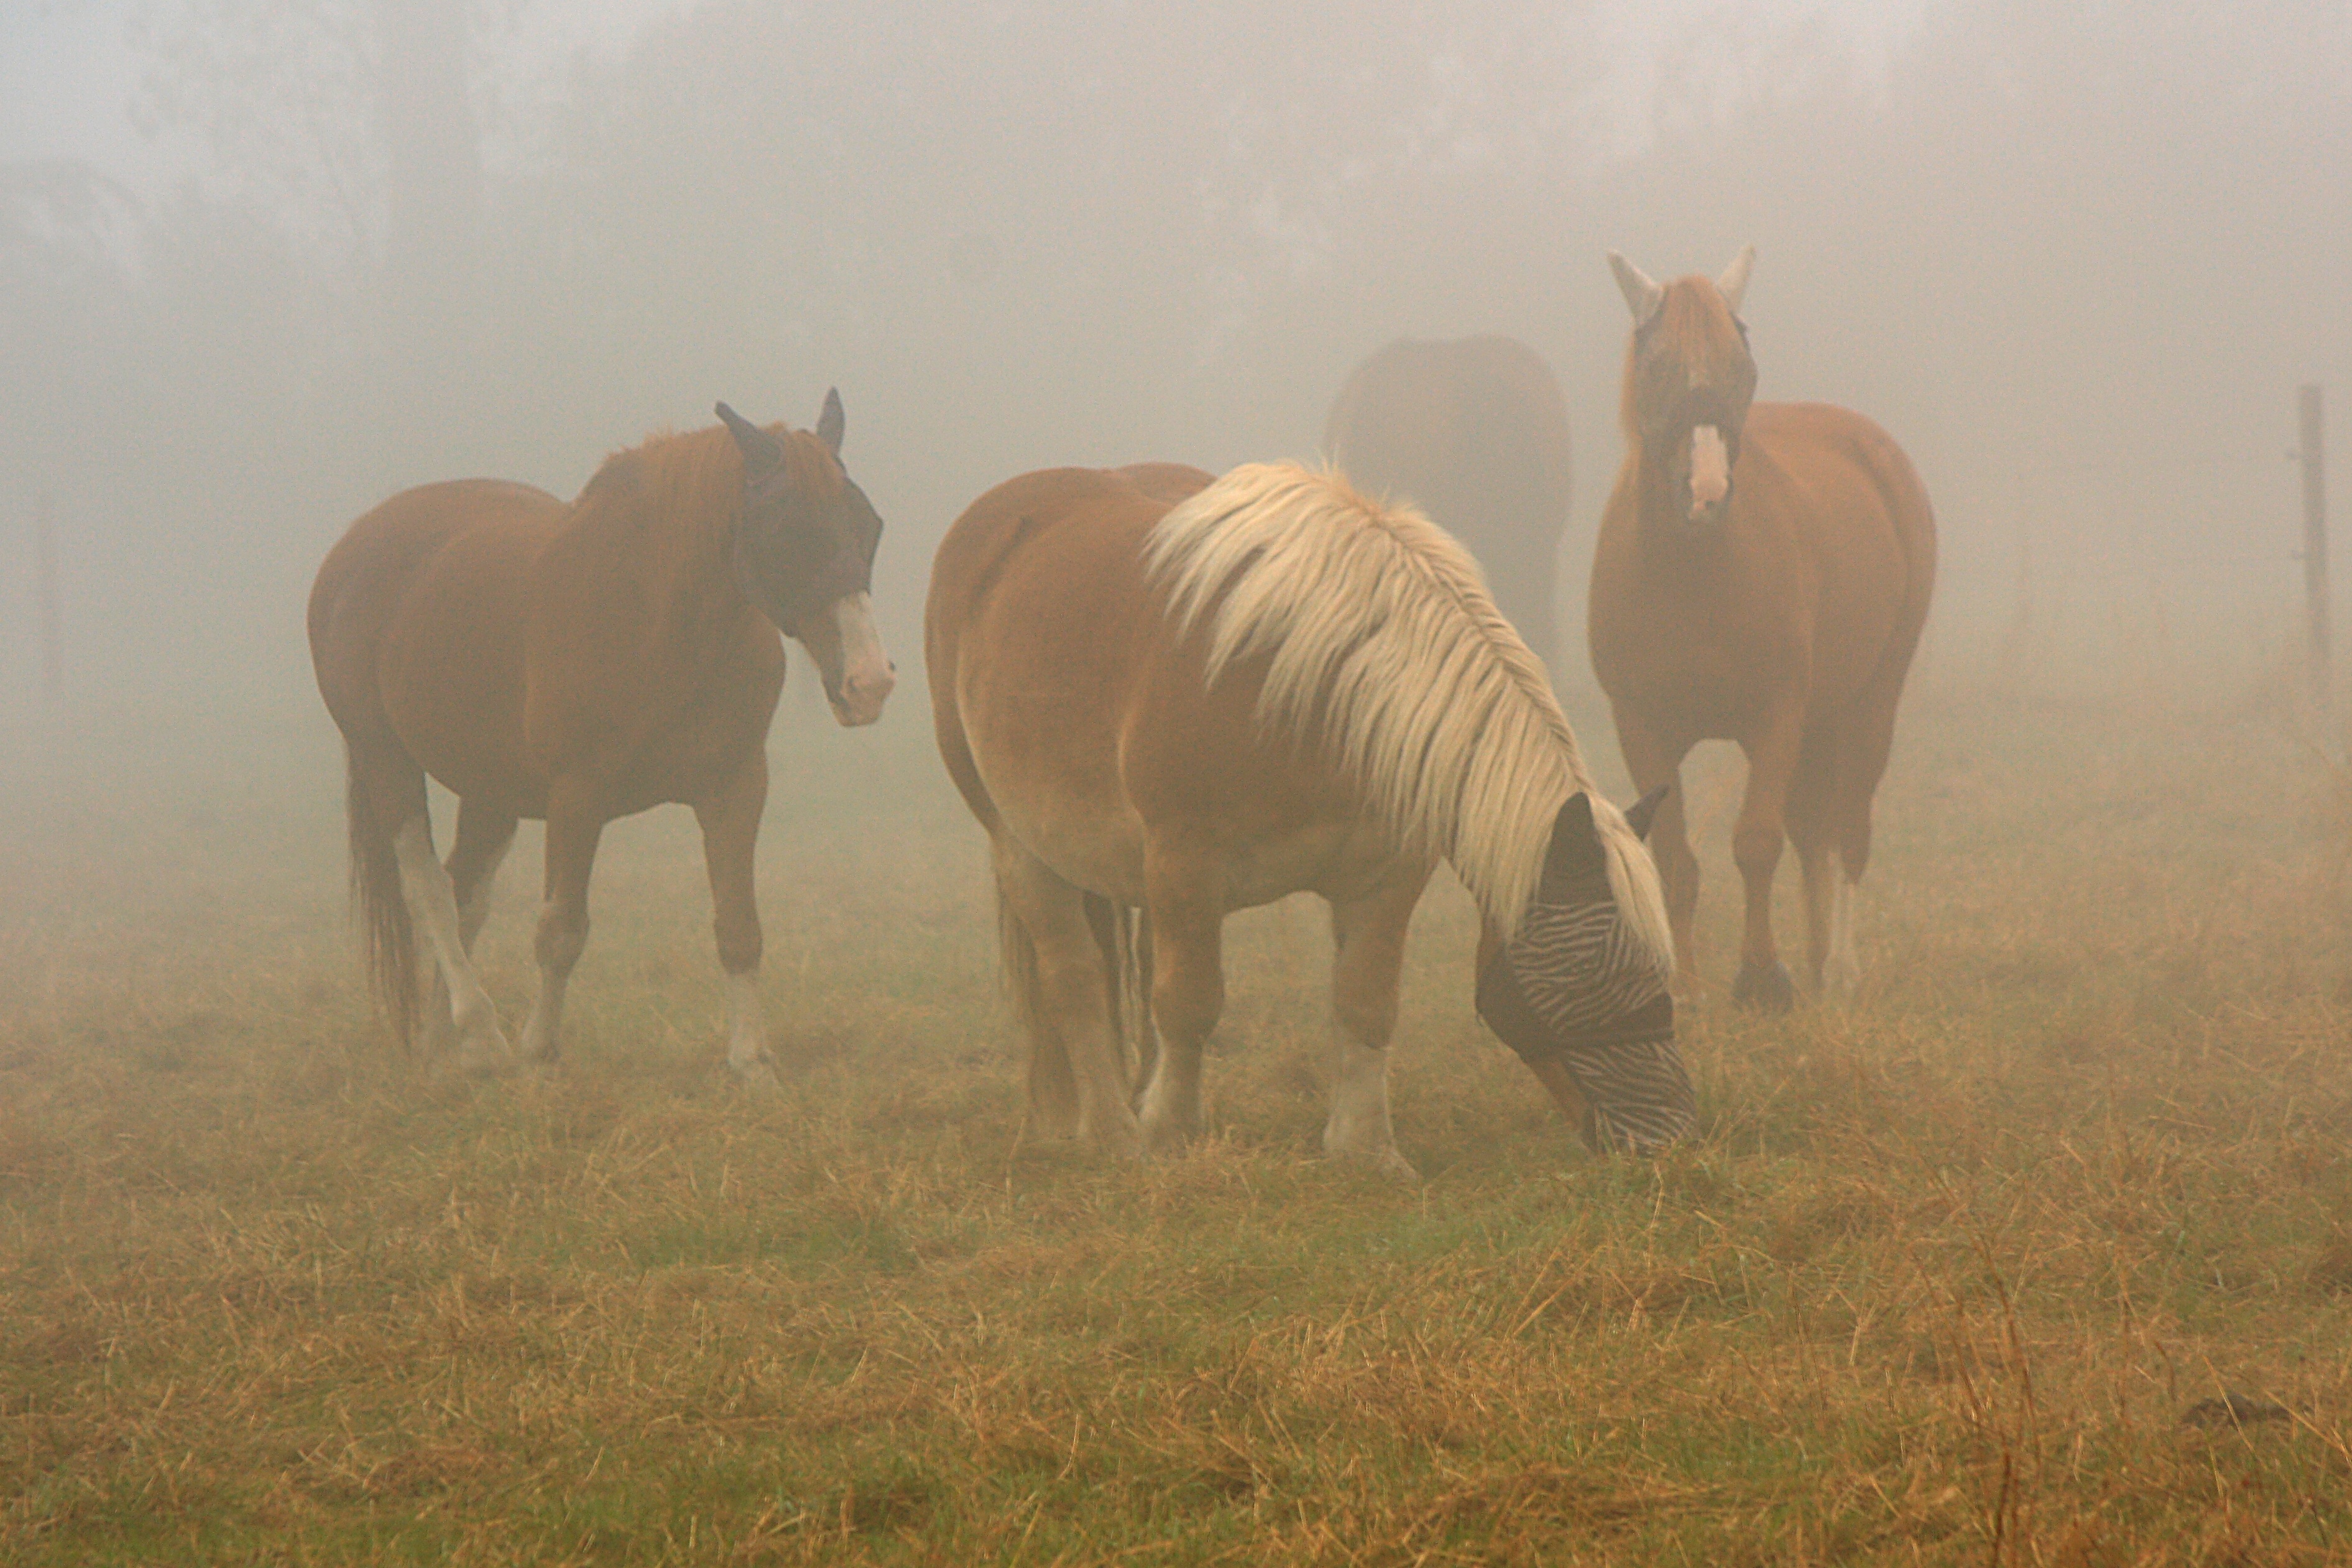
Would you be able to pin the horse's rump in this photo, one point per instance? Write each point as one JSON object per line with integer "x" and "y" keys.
{"x": 1043, "y": 573}
{"x": 1473, "y": 431}
{"x": 417, "y": 626}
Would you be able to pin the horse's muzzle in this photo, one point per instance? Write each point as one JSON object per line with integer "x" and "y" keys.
{"x": 1710, "y": 475}
{"x": 858, "y": 701}
{"x": 866, "y": 676}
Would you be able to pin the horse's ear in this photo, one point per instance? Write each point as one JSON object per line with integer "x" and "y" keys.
{"x": 762, "y": 451}
{"x": 1575, "y": 850}
{"x": 1575, "y": 819}
{"x": 1639, "y": 816}
{"x": 1733, "y": 284}
{"x": 1642, "y": 297}
{"x": 829, "y": 422}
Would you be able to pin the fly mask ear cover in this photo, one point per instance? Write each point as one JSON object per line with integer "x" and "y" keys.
{"x": 1577, "y": 986}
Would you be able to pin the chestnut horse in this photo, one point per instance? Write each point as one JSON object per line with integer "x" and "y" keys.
{"x": 579, "y": 663}
{"x": 1762, "y": 576}
{"x": 1272, "y": 685}
{"x": 1474, "y": 432}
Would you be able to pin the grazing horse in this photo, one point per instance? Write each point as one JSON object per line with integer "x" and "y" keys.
{"x": 1474, "y": 432}
{"x": 1762, "y": 576}
{"x": 1160, "y": 692}
{"x": 577, "y": 664}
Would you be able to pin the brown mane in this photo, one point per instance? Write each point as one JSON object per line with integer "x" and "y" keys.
{"x": 697, "y": 477}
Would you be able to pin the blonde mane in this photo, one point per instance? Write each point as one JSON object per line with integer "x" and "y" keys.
{"x": 1384, "y": 643}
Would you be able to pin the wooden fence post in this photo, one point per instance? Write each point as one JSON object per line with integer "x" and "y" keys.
{"x": 2314, "y": 538}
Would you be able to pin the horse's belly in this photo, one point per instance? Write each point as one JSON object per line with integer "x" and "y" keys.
{"x": 1337, "y": 859}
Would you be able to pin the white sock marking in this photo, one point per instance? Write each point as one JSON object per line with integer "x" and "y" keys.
{"x": 1359, "y": 1126}
{"x": 433, "y": 910}
{"x": 1842, "y": 971}
{"x": 747, "y": 1036}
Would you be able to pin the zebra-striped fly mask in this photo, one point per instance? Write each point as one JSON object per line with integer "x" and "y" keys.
{"x": 1577, "y": 986}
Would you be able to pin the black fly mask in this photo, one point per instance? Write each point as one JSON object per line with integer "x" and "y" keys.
{"x": 1578, "y": 986}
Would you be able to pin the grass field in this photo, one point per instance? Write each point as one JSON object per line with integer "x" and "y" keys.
{"x": 1955, "y": 1274}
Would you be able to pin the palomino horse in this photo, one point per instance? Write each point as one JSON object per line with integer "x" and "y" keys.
{"x": 1474, "y": 432}
{"x": 1275, "y": 685}
{"x": 581, "y": 663}
{"x": 1761, "y": 576}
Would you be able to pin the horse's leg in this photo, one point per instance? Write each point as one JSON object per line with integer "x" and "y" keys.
{"x": 1370, "y": 933}
{"x": 484, "y": 837}
{"x": 731, "y": 834}
{"x": 1067, "y": 1007}
{"x": 1813, "y": 800}
{"x": 574, "y": 825}
{"x": 1861, "y": 763}
{"x": 1774, "y": 750}
{"x": 432, "y": 900}
{"x": 1188, "y": 994}
{"x": 1655, "y": 757}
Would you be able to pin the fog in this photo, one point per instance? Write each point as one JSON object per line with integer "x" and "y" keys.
{"x": 262, "y": 264}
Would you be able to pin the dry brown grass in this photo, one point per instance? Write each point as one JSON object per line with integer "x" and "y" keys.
{"x": 1939, "y": 1283}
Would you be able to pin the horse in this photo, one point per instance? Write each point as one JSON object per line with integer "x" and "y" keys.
{"x": 1475, "y": 431}
{"x": 577, "y": 664}
{"x": 1762, "y": 576}
{"x": 1191, "y": 698}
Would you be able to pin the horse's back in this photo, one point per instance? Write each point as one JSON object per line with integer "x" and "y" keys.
{"x": 421, "y": 599}
{"x": 1168, "y": 483}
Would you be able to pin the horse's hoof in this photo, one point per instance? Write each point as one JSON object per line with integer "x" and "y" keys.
{"x": 1765, "y": 990}
{"x": 1122, "y": 1137}
{"x": 759, "y": 1075}
{"x": 1383, "y": 1162}
{"x": 1168, "y": 1137}
{"x": 486, "y": 1055}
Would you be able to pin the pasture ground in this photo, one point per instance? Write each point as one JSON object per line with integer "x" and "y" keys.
{"x": 1954, "y": 1274}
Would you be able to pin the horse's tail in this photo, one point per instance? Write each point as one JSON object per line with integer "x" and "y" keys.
{"x": 388, "y": 938}
{"x": 1123, "y": 939}
{"x": 1123, "y": 936}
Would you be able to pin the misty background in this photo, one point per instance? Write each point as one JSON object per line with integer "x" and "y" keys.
{"x": 262, "y": 264}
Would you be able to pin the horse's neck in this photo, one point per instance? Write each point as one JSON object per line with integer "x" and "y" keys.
{"x": 673, "y": 572}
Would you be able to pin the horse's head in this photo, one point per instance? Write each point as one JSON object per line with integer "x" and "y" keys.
{"x": 1582, "y": 993}
{"x": 804, "y": 555}
{"x": 1689, "y": 379}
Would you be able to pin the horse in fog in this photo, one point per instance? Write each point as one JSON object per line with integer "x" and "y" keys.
{"x": 1474, "y": 431}
{"x": 1191, "y": 703}
{"x": 1762, "y": 576}
{"x": 579, "y": 663}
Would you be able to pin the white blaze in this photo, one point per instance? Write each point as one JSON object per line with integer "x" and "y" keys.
{"x": 1710, "y": 468}
{"x": 865, "y": 678}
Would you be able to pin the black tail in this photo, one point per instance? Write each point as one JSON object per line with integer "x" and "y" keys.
{"x": 383, "y": 910}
